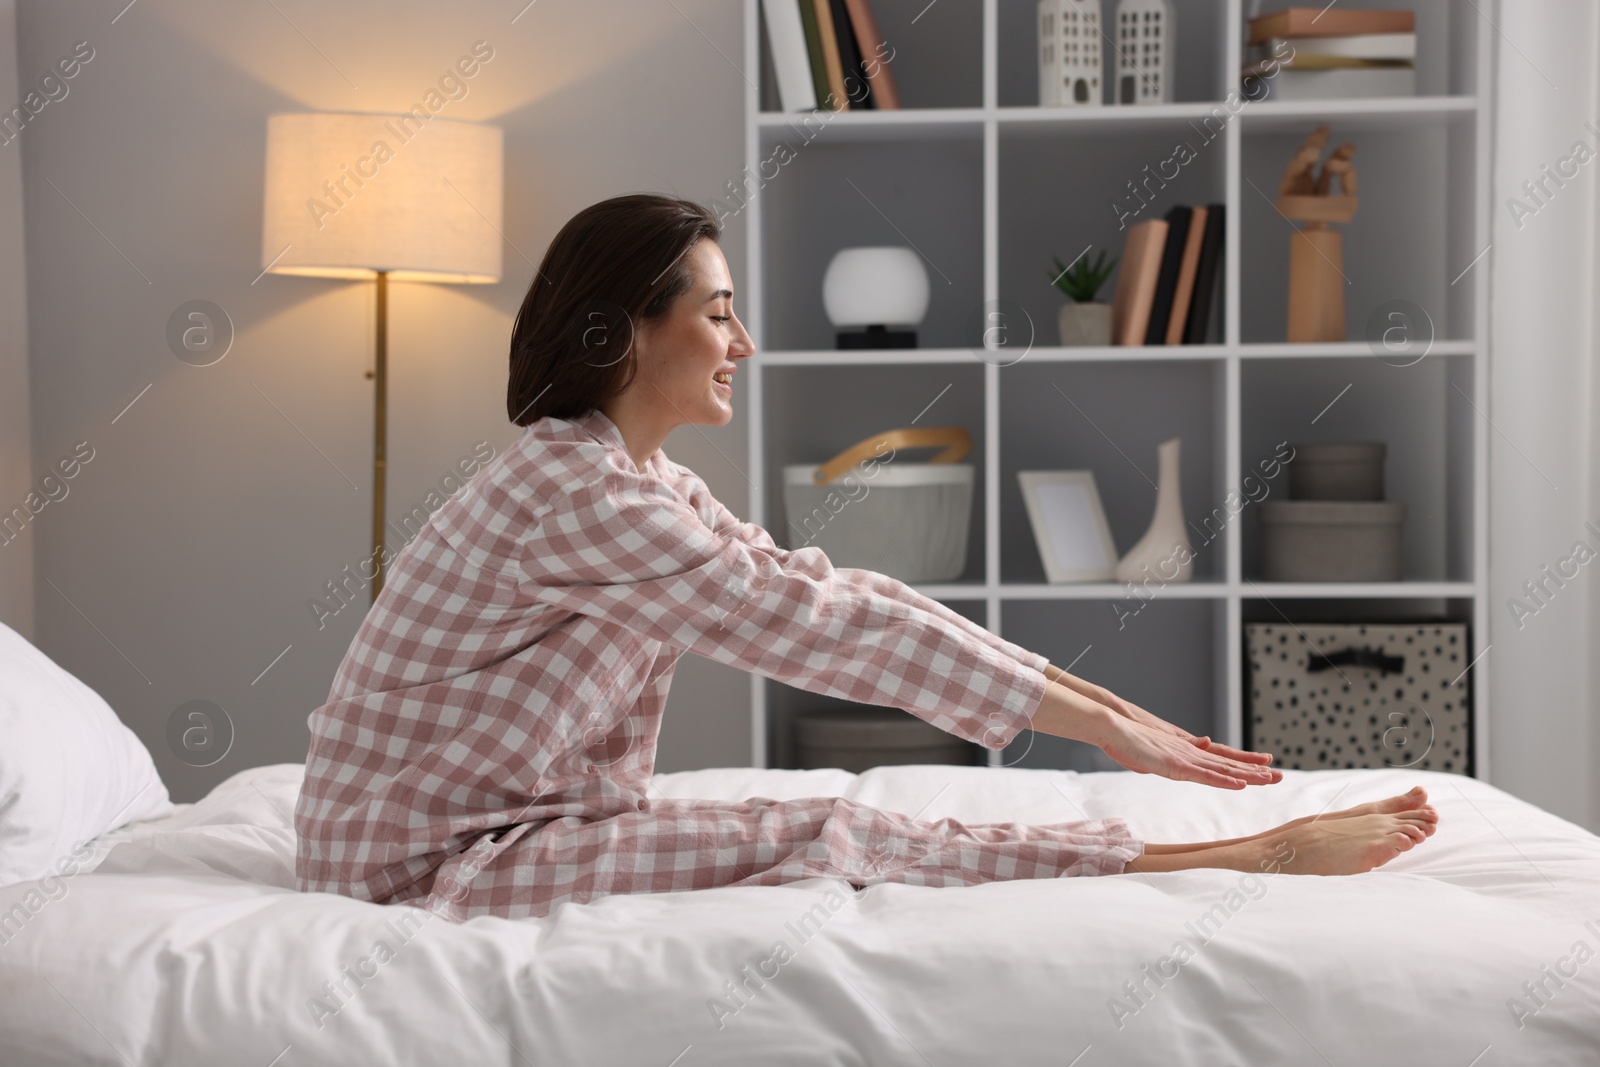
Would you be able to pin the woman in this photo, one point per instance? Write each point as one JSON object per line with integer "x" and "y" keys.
{"x": 489, "y": 738}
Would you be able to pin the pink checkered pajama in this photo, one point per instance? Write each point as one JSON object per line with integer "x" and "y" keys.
{"x": 488, "y": 742}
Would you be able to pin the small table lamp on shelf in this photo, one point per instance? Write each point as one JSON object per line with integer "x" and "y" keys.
{"x": 409, "y": 197}
{"x": 866, "y": 291}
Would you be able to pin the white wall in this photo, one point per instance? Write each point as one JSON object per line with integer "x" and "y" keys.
{"x": 1543, "y": 449}
{"x": 182, "y": 561}
{"x": 16, "y": 553}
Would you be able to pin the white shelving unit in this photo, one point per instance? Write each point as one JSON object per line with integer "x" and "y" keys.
{"x": 987, "y": 188}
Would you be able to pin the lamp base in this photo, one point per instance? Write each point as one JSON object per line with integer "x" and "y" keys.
{"x": 877, "y": 337}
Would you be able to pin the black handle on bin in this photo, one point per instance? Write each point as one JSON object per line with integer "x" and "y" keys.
{"x": 1371, "y": 658}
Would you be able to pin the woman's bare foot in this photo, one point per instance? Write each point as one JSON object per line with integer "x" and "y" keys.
{"x": 1351, "y": 845}
{"x": 1348, "y": 842}
{"x": 1413, "y": 800}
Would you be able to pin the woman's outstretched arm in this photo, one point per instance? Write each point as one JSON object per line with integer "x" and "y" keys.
{"x": 1203, "y": 760}
{"x": 1128, "y": 709}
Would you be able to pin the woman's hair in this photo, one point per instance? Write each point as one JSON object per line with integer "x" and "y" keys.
{"x": 614, "y": 264}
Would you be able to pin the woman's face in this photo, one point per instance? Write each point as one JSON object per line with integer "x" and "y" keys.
{"x": 687, "y": 359}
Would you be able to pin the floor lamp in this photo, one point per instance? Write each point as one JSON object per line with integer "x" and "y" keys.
{"x": 405, "y": 197}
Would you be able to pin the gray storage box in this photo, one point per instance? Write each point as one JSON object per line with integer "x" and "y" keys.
{"x": 1341, "y": 471}
{"x": 856, "y": 740}
{"x": 1331, "y": 540}
{"x": 1378, "y": 694}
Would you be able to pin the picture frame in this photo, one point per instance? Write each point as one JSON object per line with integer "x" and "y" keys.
{"x": 1069, "y": 525}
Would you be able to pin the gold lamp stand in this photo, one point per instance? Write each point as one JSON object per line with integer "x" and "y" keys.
{"x": 380, "y": 430}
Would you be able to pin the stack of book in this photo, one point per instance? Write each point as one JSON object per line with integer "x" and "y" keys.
{"x": 1308, "y": 53}
{"x": 1169, "y": 284}
{"x": 829, "y": 55}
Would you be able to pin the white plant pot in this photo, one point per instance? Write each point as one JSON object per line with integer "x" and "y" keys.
{"x": 1085, "y": 324}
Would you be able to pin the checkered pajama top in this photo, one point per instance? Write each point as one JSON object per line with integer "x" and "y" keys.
{"x": 488, "y": 742}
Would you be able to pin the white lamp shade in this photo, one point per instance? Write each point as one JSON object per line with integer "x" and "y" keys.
{"x": 882, "y": 285}
{"x": 348, "y": 195}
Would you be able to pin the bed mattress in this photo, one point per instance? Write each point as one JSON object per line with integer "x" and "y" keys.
{"x": 183, "y": 941}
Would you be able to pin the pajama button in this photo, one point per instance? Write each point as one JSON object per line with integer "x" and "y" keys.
{"x": 588, "y": 769}
{"x": 641, "y": 805}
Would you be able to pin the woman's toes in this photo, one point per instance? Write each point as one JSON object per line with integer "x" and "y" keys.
{"x": 1410, "y": 801}
{"x": 1415, "y": 797}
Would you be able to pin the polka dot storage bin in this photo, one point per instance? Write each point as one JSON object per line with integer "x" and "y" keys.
{"x": 1382, "y": 694}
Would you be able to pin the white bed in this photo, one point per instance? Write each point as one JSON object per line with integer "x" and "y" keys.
{"x": 187, "y": 944}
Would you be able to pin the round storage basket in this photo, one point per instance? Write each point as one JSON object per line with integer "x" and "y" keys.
{"x": 906, "y": 520}
{"x": 1345, "y": 470}
{"x": 858, "y": 739}
{"x": 1332, "y": 540}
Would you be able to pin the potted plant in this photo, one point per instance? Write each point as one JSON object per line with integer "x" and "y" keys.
{"x": 1082, "y": 321}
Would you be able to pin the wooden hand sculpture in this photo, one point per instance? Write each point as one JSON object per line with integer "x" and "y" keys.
{"x": 1297, "y": 177}
{"x": 1338, "y": 163}
{"x": 1316, "y": 250}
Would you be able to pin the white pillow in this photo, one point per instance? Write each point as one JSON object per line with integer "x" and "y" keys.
{"x": 69, "y": 769}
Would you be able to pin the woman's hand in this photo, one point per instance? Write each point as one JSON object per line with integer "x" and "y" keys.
{"x": 1143, "y": 742}
{"x": 1173, "y": 753}
{"x": 1129, "y": 710}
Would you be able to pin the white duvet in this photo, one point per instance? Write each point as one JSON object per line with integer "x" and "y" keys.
{"x": 187, "y": 944}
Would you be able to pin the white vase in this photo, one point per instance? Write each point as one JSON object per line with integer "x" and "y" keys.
{"x": 1085, "y": 324}
{"x": 1162, "y": 555}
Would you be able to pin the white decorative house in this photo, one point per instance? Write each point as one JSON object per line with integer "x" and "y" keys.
{"x": 1145, "y": 43}
{"x": 1071, "y": 53}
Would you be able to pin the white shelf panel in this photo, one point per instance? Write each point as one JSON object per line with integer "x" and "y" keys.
{"x": 1072, "y": 591}
{"x": 1339, "y": 349}
{"x": 1112, "y": 591}
{"x": 1248, "y": 590}
{"x": 1037, "y": 354}
{"x": 1122, "y": 353}
{"x": 1356, "y": 590}
{"x": 933, "y": 123}
{"x": 1377, "y": 113}
{"x": 1092, "y": 354}
{"x": 905, "y": 124}
{"x": 866, "y": 357}
{"x": 1111, "y": 119}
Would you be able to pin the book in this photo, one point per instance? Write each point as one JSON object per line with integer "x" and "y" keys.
{"x": 786, "y": 39}
{"x": 1341, "y": 84}
{"x": 1329, "y": 21}
{"x": 819, "y": 68}
{"x": 1136, "y": 281}
{"x": 835, "y": 97}
{"x": 1184, "y": 294}
{"x": 1207, "y": 279}
{"x": 1167, "y": 280}
{"x": 1355, "y": 46}
{"x": 885, "y": 95}
{"x": 856, "y": 85}
{"x": 1264, "y": 68}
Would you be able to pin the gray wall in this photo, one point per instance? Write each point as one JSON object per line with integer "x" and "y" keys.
{"x": 181, "y": 563}
{"x": 16, "y": 553}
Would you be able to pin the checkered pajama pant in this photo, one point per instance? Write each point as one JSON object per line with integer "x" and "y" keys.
{"x": 702, "y": 844}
